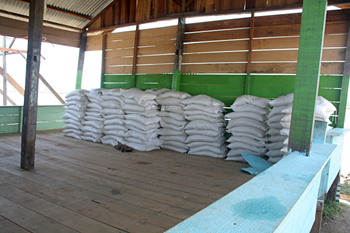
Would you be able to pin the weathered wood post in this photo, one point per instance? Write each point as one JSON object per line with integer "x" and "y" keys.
{"x": 82, "y": 48}
{"x": 36, "y": 15}
{"x": 175, "y": 85}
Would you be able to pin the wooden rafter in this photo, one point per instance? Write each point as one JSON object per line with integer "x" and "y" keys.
{"x": 14, "y": 83}
{"x": 12, "y": 50}
{"x": 52, "y": 8}
{"x": 101, "y": 13}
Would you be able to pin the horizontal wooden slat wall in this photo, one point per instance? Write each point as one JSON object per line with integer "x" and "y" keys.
{"x": 156, "y": 50}
{"x": 119, "y": 52}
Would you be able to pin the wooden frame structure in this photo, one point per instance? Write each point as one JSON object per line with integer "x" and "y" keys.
{"x": 317, "y": 172}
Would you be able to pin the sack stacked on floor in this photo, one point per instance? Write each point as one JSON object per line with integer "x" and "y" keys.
{"x": 279, "y": 121}
{"x": 93, "y": 119}
{"x": 173, "y": 120}
{"x": 75, "y": 105}
{"x": 247, "y": 126}
{"x": 141, "y": 119}
{"x": 114, "y": 129}
{"x": 206, "y": 127}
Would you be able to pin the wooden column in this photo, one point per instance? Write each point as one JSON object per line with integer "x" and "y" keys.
{"x": 103, "y": 65}
{"x": 308, "y": 75}
{"x": 344, "y": 86}
{"x": 36, "y": 14}
{"x": 175, "y": 85}
{"x": 134, "y": 60}
{"x": 4, "y": 73}
{"x": 250, "y": 46}
{"x": 82, "y": 48}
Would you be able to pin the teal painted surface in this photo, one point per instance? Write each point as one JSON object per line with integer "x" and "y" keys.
{"x": 281, "y": 199}
{"x": 312, "y": 27}
{"x": 48, "y": 117}
{"x": 78, "y": 80}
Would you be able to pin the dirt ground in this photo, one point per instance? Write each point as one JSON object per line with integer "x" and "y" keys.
{"x": 340, "y": 224}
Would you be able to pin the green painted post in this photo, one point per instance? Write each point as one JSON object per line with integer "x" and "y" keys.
{"x": 175, "y": 83}
{"x": 247, "y": 84}
{"x": 344, "y": 86}
{"x": 308, "y": 75}
{"x": 133, "y": 80}
{"x": 82, "y": 48}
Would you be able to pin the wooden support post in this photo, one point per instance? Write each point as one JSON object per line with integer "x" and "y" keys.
{"x": 82, "y": 48}
{"x": 175, "y": 85}
{"x": 344, "y": 86}
{"x": 36, "y": 14}
{"x": 134, "y": 60}
{"x": 250, "y": 46}
{"x": 308, "y": 74}
{"x": 332, "y": 192}
{"x": 316, "y": 228}
{"x": 4, "y": 74}
{"x": 103, "y": 65}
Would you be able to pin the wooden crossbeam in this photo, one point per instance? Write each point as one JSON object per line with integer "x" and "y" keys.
{"x": 57, "y": 9}
{"x": 12, "y": 50}
{"x": 13, "y": 83}
{"x": 8, "y": 98}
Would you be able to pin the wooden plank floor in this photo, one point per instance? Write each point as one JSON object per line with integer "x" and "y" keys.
{"x": 80, "y": 186}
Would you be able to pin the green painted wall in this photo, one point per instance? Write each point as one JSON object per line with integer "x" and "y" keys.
{"x": 49, "y": 117}
{"x": 227, "y": 87}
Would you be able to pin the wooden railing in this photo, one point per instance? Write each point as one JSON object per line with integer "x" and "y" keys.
{"x": 49, "y": 117}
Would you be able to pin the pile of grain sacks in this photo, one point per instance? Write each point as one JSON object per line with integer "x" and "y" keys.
{"x": 114, "y": 129}
{"x": 75, "y": 106}
{"x": 93, "y": 119}
{"x": 206, "y": 127}
{"x": 141, "y": 119}
{"x": 173, "y": 120}
{"x": 279, "y": 121}
{"x": 247, "y": 126}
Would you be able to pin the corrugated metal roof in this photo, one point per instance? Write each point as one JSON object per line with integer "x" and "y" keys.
{"x": 90, "y": 8}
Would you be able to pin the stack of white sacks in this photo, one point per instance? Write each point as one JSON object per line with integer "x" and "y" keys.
{"x": 247, "y": 126}
{"x": 141, "y": 119}
{"x": 173, "y": 120}
{"x": 75, "y": 111}
{"x": 114, "y": 129}
{"x": 206, "y": 127}
{"x": 93, "y": 119}
{"x": 279, "y": 121}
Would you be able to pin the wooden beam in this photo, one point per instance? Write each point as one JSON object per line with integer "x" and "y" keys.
{"x": 57, "y": 9}
{"x": 178, "y": 54}
{"x": 47, "y": 23}
{"x": 8, "y": 98}
{"x": 344, "y": 85}
{"x": 36, "y": 15}
{"x": 136, "y": 45}
{"x": 103, "y": 66}
{"x": 82, "y": 48}
{"x": 250, "y": 46}
{"x": 134, "y": 59}
{"x": 99, "y": 14}
{"x": 312, "y": 28}
{"x": 12, "y": 50}
{"x": 13, "y": 83}
{"x": 4, "y": 74}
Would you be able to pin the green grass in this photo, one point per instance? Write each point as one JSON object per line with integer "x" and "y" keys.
{"x": 345, "y": 188}
{"x": 332, "y": 209}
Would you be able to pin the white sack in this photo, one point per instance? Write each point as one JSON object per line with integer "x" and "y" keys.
{"x": 253, "y": 100}
{"x": 203, "y": 100}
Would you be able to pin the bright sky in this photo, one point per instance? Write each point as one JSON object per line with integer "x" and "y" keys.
{"x": 59, "y": 68}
